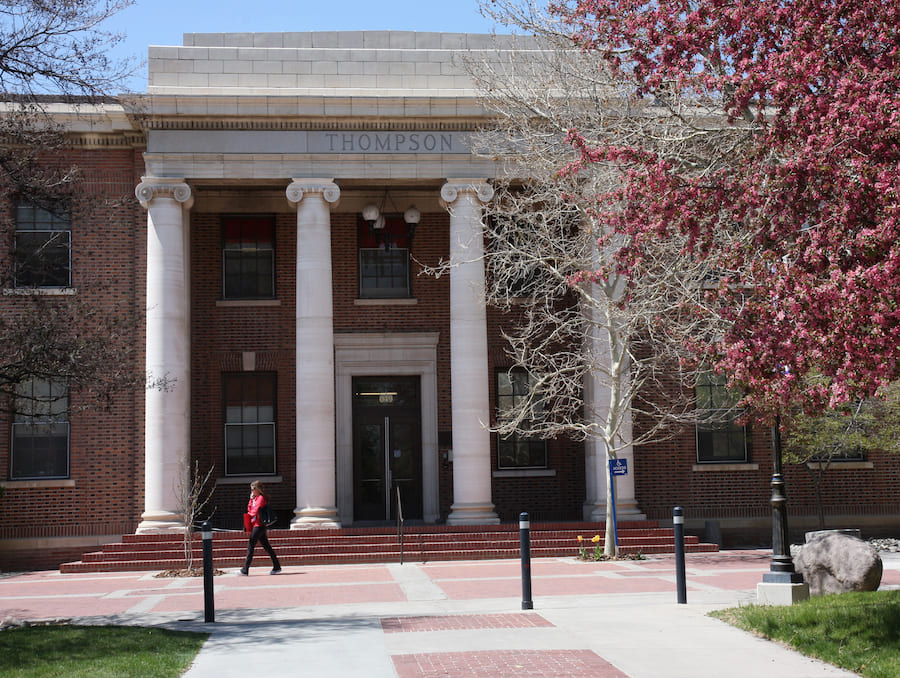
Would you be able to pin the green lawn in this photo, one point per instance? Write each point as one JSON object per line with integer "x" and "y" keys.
{"x": 856, "y": 631}
{"x": 96, "y": 652}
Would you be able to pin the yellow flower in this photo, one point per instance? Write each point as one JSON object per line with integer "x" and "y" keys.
{"x": 596, "y": 538}
{"x": 580, "y": 538}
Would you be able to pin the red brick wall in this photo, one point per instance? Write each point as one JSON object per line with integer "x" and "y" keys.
{"x": 108, "y": 271}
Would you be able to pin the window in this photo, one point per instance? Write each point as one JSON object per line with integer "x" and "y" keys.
{"x": 719, "y": 439}
{"x": 40, "y": 438}
{"x": 249, "y": 401}
{"x": 384, "y": 259}
{"x": 248, "y": 258}
{"x": 43, "y": 247}
{"x": 517, "y": 451}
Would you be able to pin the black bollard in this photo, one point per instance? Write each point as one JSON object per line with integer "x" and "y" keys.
{"x": 209, "y": 605}
{"x": 678, "y": 522}
{"x": 525, "y": 541}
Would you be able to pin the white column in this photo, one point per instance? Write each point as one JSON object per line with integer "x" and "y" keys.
{"x": 468, "y": 355}
{"x": 167, "y": 412}
{"x": 316, "y": 464}
{"x": 597, "y": 400}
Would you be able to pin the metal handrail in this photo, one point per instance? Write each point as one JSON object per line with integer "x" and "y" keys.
{"x": 399, "y": 522}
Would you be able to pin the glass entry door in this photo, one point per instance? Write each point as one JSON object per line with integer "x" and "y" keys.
{"x": 387, "y": 448}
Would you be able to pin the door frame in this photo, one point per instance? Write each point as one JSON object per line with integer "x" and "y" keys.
{"x": 388, "y": 418}
{"x": 386, "y": 354}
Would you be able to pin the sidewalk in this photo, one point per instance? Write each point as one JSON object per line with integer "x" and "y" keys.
{"x": 604, "y": 620}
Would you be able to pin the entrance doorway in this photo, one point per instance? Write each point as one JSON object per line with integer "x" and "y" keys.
{"x": 387, "y": 448}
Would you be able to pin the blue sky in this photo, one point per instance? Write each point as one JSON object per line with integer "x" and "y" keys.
{"x": 162, "y": 22}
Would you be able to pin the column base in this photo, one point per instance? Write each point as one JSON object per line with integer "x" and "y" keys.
{"x": 314, "y": 518}
{"x": 472, "y": 514}
{"x": 596, "y": 513}
{"x": 162, "y": 522}
{"x": 772, "y": 593}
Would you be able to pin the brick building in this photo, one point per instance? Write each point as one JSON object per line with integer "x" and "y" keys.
{"x": 267, "y": 208}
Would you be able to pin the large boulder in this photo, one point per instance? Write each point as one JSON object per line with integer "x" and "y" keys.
{"x": 832, "y": 562}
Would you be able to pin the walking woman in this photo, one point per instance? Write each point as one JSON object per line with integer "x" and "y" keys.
{"x": 258, "y": 499}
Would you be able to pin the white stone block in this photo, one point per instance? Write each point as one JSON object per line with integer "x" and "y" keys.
{"x": 375, "y": 39}
{"x": 388, "y": 81}
{"x": 268, "y": 40}
{"x": 239, "y": 39}
{"x": 267, "y": 66}
{"x": 203, "y": 39}
{"x": 163, "y": 79}
{"x": 210, "y": 66}
{"x": 296, "y": 67}
{"x": 251, "y": 54}
{"x": 297, "y": 39}
{"x": 223, "y": 53}
{"x": 376, "y": 68}
{"x": 312, "y": 80}
{"x": 350, "y": 68}
{"x": 402, "y": 40}
{"x": 325, "y": 39}
{"x": 237, "y": 66}
{"x": 351, "y": 39}
{"x": 362, "y": 81}
{"x": 781, "y": 594}
{"x": 193, "y": 80}
{"x": 283, "y": 80}
{"x": 252, "y": 80}
{"x": 161, "y": 52}
{"x": 428, "y": 40}
{"x": 323, "y": 68}
{"x": 453, "y": 41}
{"x": 403, "y": 68}
{"x": 223, "y": 80}
{"x": 427, "y": 68}
{"x": 192, "y": 53}
{"x": 338, "y": 81}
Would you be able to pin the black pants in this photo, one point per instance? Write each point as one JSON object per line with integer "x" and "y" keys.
{"x": 259, "y": 535}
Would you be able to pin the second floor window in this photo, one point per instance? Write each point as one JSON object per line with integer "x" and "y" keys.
{"x": 43, "y": 256}
{"x": 719, "y": 439}
{"x": 516, "y": 450}
{"x": 40, "y": 436}
{"x": 249, "y": 403}
{"x": 384, "y": 259}
{"x": 248, "y": 257}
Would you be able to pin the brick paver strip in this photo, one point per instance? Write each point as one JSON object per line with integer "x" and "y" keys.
{"x": 505, "y": 664}
{"x": 463, "y": 622}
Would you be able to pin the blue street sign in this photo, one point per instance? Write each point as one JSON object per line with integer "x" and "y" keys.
{"x": 618, "y": 467}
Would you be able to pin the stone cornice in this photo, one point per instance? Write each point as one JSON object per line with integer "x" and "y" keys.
{"x": 306, "y": 124}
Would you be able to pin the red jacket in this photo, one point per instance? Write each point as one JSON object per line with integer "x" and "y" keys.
{"x": 253, "y": 507}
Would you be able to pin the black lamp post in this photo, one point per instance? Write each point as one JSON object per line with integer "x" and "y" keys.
{"x": 781, "y": 571}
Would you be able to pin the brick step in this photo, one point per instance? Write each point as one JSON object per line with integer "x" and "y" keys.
{"x": 337, "y": 541}
{"x": 298, "y": 546}
{"x": 361, "y": 557}
{"x": 445, "y": 531}
{"x": 380, "y": 544}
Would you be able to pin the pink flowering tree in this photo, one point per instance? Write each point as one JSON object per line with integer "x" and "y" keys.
{"x": 798, "y": 104}
{"x": 597, "y": 345}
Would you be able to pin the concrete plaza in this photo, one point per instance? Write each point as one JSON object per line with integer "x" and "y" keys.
{"x": 450, "y": 619}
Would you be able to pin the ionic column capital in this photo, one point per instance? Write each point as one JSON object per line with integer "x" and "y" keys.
{"x": 298, "y": 188}
{"x": 454, "y": 188}
{"x": 159, "y": 187}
